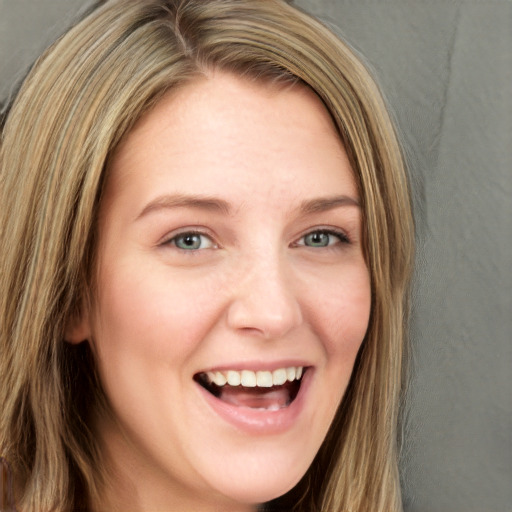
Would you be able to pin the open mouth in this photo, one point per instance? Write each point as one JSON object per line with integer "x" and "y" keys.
{"x": 260, "y": 390}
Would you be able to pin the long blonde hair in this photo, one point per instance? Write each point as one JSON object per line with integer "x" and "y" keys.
{"x": 82, "y": 96}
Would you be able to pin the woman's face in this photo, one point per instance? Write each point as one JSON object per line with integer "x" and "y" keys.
{"x": 229, "y": 249}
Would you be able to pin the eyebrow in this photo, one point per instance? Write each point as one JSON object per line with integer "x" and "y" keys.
{"x": 206, "y": 203}
{"x": 213, "y": 204}
{"x": 323, "y": 204}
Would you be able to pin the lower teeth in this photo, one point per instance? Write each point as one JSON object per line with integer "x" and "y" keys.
{"x": 273, "y": 407}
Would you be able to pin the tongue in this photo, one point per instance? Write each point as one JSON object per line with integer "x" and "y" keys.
{"x": 256, "y": 398}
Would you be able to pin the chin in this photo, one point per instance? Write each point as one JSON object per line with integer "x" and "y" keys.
{"x": 258, "y": 491}
{"x": 260, "y": 479}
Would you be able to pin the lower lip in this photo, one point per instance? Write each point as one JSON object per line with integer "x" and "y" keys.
{"x": 257, "y": 421}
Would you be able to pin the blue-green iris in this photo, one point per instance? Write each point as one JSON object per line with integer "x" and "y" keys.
{"x": 188, "y": 241}
{"x": 317, "y": 239}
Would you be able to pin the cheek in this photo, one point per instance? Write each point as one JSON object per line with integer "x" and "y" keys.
{"x": 156, "y": 313}
{"x": 340, "y": 312}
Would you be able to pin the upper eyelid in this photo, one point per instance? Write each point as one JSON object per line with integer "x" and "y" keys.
{"x": 186, "y": 231}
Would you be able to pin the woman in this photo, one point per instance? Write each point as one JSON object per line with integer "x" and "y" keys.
{"x": 206, "y": 247}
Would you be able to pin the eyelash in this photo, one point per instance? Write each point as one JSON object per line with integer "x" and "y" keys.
{"x": 340, "y": 235}
{"x": 190, "y": 233}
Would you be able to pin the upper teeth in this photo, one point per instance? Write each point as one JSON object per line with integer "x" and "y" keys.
{"x": 250, "y": 379}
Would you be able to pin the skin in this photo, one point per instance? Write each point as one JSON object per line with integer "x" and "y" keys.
{"x": 254, "y": 292}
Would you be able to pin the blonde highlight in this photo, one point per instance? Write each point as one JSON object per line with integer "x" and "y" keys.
{"x": 79, "y": 101}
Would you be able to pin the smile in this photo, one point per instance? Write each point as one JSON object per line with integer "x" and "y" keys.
{"x": 256, "y": 390}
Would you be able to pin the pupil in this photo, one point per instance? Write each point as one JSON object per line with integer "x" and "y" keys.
{"x": 318, "y": 239}
{"x": 190, "y": 241}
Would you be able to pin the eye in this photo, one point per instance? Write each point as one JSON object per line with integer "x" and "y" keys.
{"x": 191, "y": 241}
{"x": 323, "y": 238}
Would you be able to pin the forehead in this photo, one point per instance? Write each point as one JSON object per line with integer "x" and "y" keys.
{"x": 219, "y": 129}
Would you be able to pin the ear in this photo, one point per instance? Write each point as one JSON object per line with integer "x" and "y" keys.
{"x": 78, "y": 327}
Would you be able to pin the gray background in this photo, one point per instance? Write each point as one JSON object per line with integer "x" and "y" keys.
{"x": 446, "y": 69}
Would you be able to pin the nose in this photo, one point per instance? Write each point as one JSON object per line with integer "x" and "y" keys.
{"x": 264, "y": 302}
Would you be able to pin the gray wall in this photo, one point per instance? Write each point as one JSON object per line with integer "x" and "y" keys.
{"x": 446, "y": 68}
